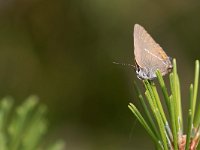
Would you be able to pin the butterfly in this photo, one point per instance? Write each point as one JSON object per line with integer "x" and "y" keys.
{"x": 149, "y": 56}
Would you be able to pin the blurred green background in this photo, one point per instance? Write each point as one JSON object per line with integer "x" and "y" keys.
{"x": 62, "y": 51}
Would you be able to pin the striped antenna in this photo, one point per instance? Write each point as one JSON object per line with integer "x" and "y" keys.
{"x": 123, "y": 64}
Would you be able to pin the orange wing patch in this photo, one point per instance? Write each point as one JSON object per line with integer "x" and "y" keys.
{"x": 163, "y": 54}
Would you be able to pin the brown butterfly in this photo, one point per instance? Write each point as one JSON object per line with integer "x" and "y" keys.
{"x": 149, "y": 56}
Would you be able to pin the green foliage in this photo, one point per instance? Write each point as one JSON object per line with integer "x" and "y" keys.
{"x": 169, "y": 134}
{"x": 24, "y": 127}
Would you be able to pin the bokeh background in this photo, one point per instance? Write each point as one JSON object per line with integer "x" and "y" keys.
{"x": 62, "y": 51}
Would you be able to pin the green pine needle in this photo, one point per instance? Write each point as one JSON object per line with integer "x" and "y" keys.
{"x": 170, "y": 133}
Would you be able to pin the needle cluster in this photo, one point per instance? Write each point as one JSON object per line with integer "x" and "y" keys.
{"x": 168, "y": 134}
{"x": 24, "y": 127}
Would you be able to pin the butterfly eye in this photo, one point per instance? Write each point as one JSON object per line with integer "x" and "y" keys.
{"x": 137, "y": 67}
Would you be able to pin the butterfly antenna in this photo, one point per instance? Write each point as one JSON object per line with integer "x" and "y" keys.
{"x": 123, "y": 64}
